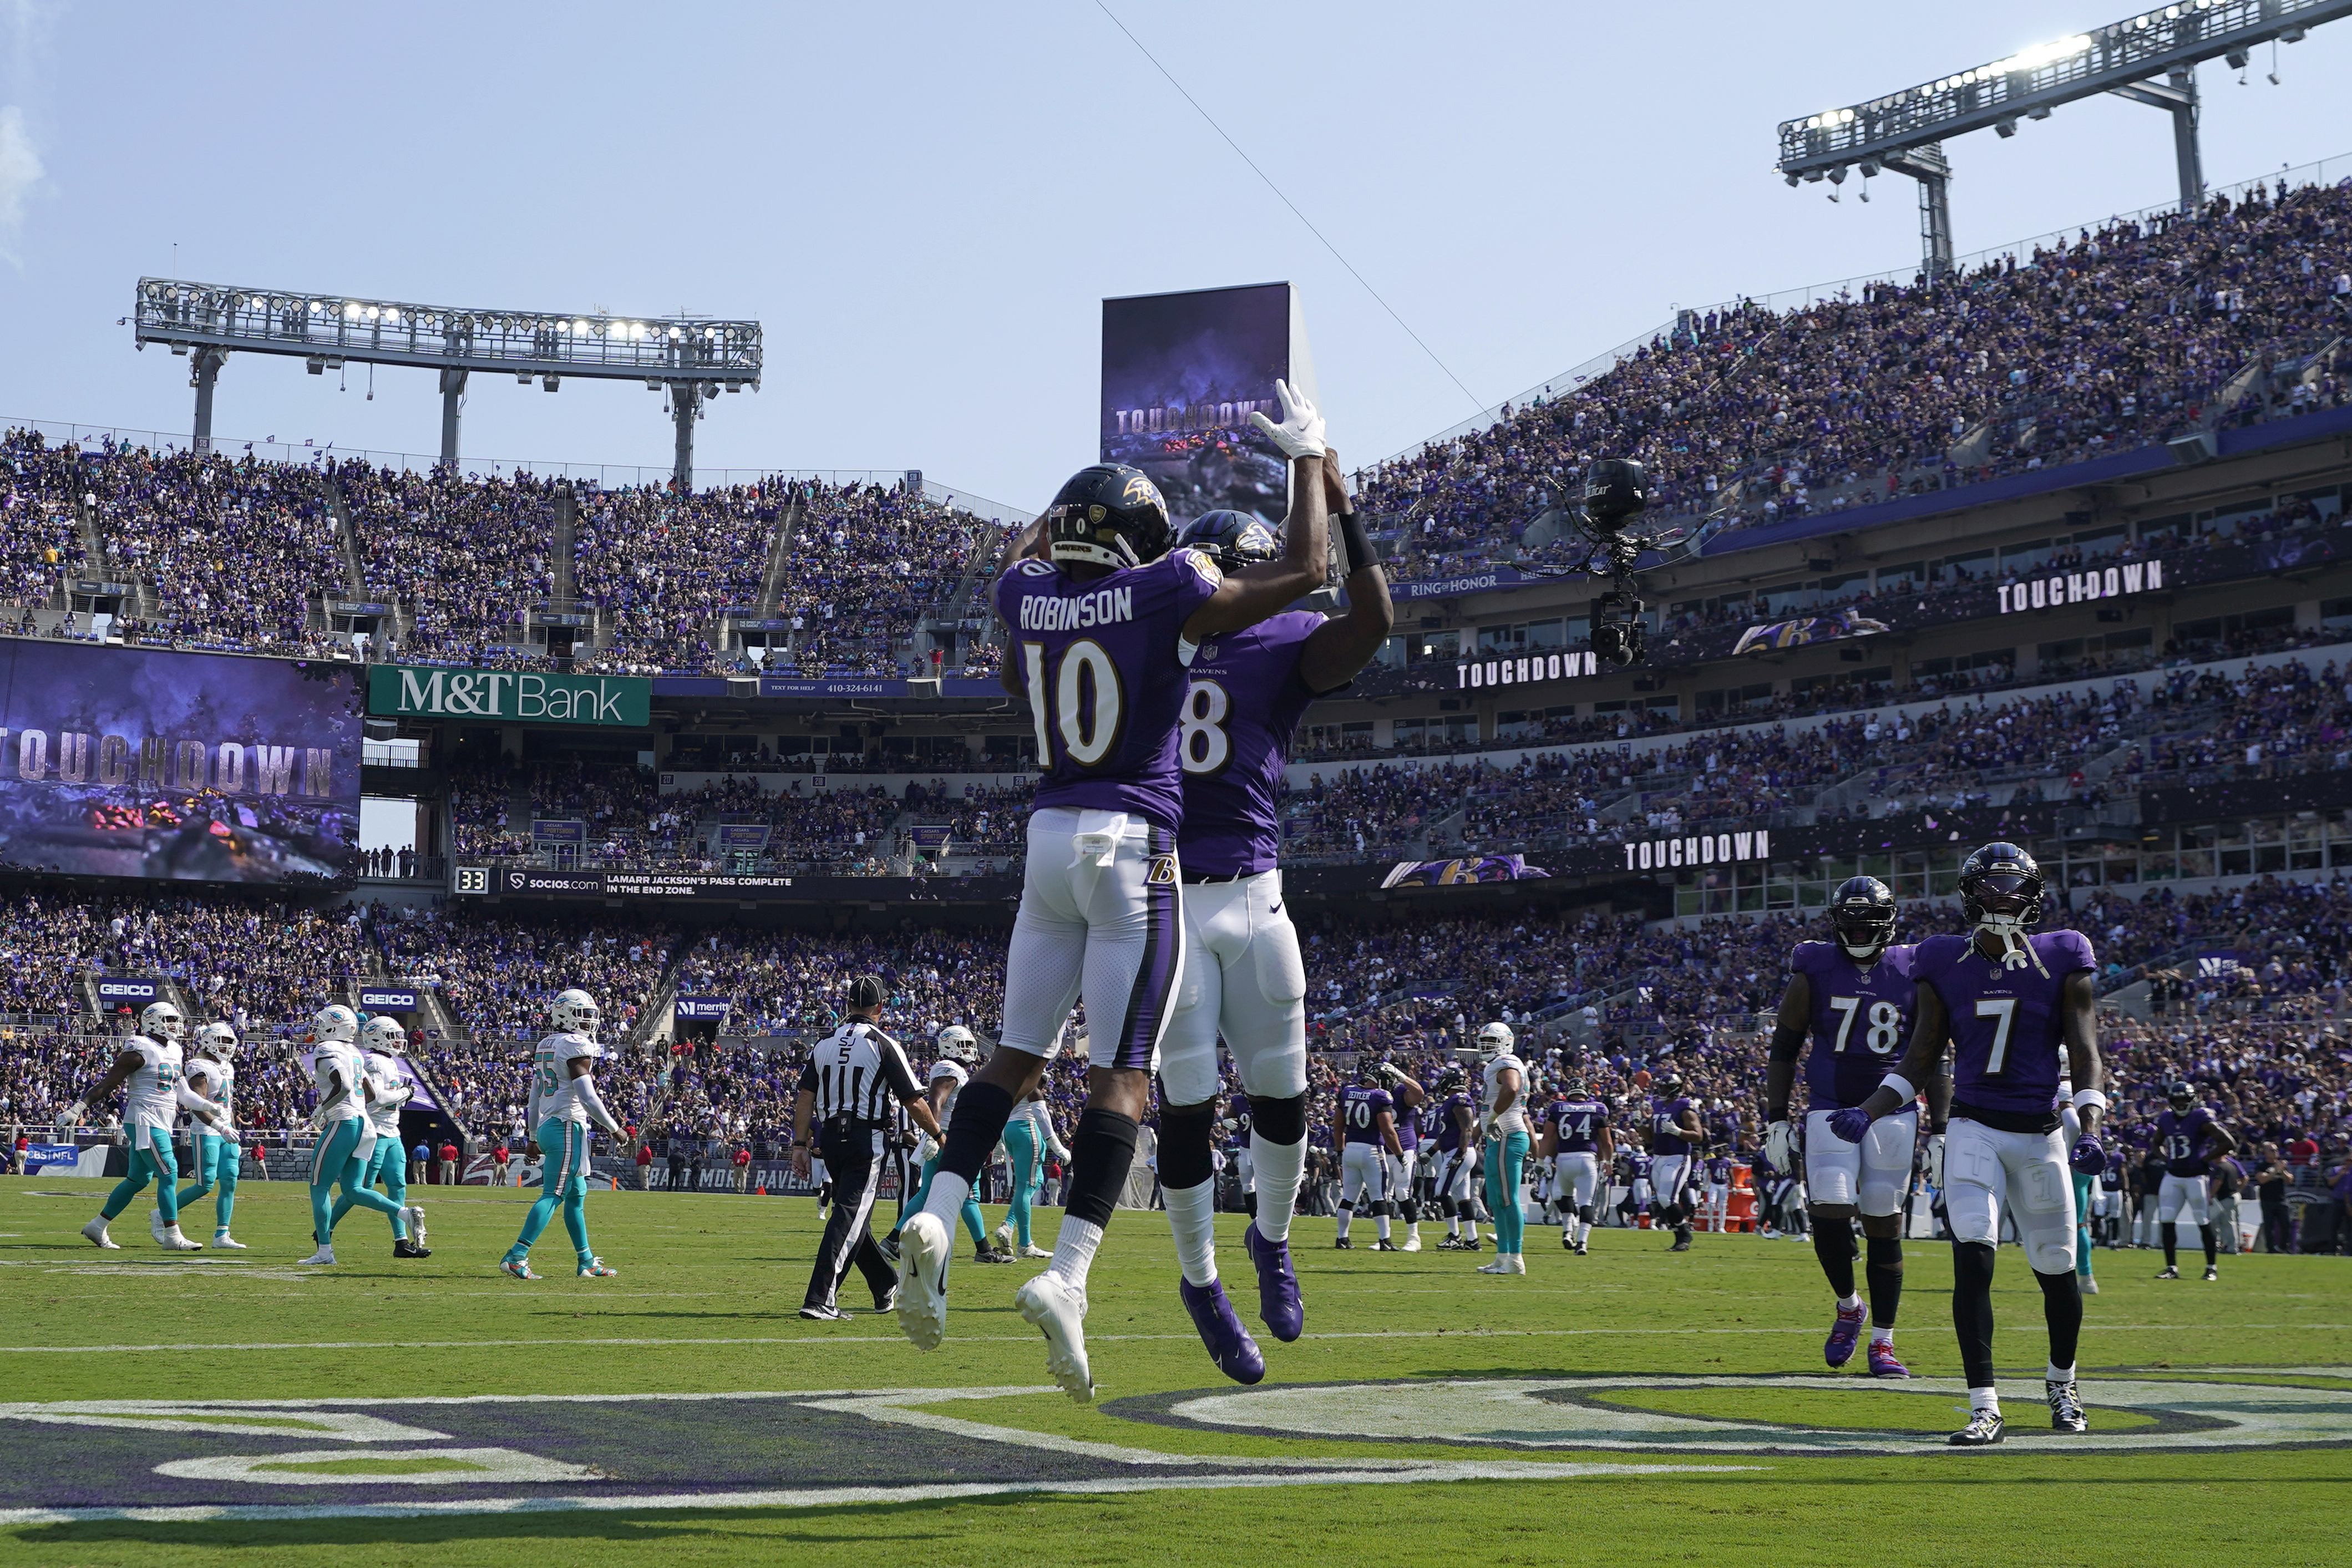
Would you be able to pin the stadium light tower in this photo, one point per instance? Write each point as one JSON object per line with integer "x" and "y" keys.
{"x": 1905, "y": 131}
{"x": 694, "y": 359}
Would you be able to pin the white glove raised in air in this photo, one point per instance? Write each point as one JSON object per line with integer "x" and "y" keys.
{"x": 1780, "y": 1145}
{"x": 1391, "y": 1073}
{"x": 73, "y": 1116}
{"x": 1935, "y": 1161}
{"x": 1300, "y": 434}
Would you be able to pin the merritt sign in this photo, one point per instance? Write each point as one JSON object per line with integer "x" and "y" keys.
{"x": 510, "y": 696}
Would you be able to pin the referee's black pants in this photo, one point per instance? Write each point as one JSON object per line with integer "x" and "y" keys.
{"x": 853, "y": 1155}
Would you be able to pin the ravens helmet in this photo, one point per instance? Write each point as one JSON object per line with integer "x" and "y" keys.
{"x": 1108, "y": 514}
{"x": 1667, "y": 1085}
{"x": 2002, "y": 882}
{"x": 1232, "y": 540}
{"x": 2181, "y": 1093}
{"x": 1862, "y": 912}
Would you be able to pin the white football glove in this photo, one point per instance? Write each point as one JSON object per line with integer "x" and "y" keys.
{"x": 73, "y": 1116}
{"x": 1300, "y": 434}
{"x": 1780, "y": 1145}
{"x": 1391, "y": 1072}
{"x": 1935, "y": 1161}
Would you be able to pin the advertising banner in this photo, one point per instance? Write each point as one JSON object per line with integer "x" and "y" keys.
{"x": 1181, "y": 375}
{"x": 59, "y": 1156}
{"x": 138, "y": 762}
{"x": 572, "y": 831}
{"x": 741, "y": 836}
{"x": 137, "y": 992}
{"x": 381, "y": 999}
{"x": 696, "y": 1010}
{"x": 512, "y": 696}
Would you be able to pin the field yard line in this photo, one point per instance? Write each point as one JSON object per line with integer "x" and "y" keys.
{"x": 1404, "y": 1473}
{"x": 1031, "y": 1339}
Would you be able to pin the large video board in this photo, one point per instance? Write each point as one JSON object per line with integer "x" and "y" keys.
{"x": 1181, "y": 375}
{"x": 134, "y": 762}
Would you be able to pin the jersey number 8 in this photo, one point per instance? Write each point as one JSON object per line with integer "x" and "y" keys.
{"x": 1087, "y": 709}
{"x": 1203, "y": 743}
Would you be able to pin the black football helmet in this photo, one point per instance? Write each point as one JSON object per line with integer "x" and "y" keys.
{"x": 2181, "y": 1093}
{"x": 2002, "y": 880}
{"x": 1667, "y": 1085}
{"x": 1862, "y": 912}
{"x": 1108, "y": 514}
{"x": 1232, "y": 540}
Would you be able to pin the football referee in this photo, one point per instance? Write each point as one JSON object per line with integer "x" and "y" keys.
{"x": 852, "y": 1079}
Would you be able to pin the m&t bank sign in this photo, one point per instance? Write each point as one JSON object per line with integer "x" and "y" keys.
{"x": 510, "y": 696}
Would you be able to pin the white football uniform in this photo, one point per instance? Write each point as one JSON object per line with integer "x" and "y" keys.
{"x": 1872, "y": 1175}
{"x": 1985, "y": 1167}
{"x": 1513, "y": 1120}
{"x": 2183, "y": 1197}
{"x": 151, "y": 1095}
{"x": 384, "y": 1072}
{"x": 953, "y": 1071}
{"x": 217, "y": 1082}
{"x": 1574, "y": 1177}
{"x": 333, "y": 1060}
{"x": 555, "y": 1093}
{"x": 1243, "y": 980}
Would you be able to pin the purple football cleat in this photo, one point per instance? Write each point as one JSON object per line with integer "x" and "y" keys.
{"x": 1230, "y": 1345}
{"x": 1844, "y": 1334}
{"x": 1883, "y": 1363}
{"x": 1279, "y": 1306}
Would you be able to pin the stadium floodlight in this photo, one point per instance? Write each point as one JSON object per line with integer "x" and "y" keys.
{"x": 208, "y": 321}
{"x": 1905, "y": 131}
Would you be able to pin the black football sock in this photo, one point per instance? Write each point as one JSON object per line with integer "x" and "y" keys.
{"x": 2062, "y": 1308}
{"x": 1102, "y": 1152}
{"x": 1972, "y": 1309}
{"x": 2171, "y": 1246}
{"x": 2212, "y": 1249}
{"x": 1834, "y": 1245}
{"x": 1885, "y": 1271}
{"x": 981, "y": 1110}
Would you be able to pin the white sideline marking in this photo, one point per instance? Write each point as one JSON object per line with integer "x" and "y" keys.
{"x": 821, "y": 1339}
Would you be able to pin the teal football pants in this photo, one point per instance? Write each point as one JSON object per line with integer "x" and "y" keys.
{"x": 972, "y": 1220}
{"x": 335, "y": 1162}
{"x": 1020, "y": 1142}
{"x": 2083, "y": 1223}
{"x": 154, "y": 1162}
{"x": 217, "y": 1161}
{"x": 562, "y": 1182}
{"x": 388, "y": 1164}
{"x": 1507, "y": 1158}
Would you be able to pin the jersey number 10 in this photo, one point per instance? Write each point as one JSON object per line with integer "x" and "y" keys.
{"x": 1079, "y": 702}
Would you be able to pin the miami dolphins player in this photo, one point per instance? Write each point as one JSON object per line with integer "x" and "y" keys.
{"x": 2011, "y": 1001}
{"x": 148, "y": 1070}
{"x": 1503, "y": 1131}
{"x": 1578, "y": 1142}
{"x": 346, "y": 1136}
{"x": 1245, "y": 980}
{"x": 381, "y": 1042}
{"x": 1094, "y": 602}
{"x": 1853, "y": 997}
{"x": 959, "y": 1054}
{"x": 210, "y": 1072}
{"x": 563, "y": 1105}
{"x": 1029, "y": 1136}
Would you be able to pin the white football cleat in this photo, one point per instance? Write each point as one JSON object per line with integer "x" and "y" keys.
{"x": 95, "y": 1234}
{"x": 415, "y": 1218}
{"x": 172, "y": 1241}
{"x": 923, "y": 1253}
{"x": 1004, "y": 1238}
{"x": 155, "y": 1225}
{"x": 1059, "y": 1308}
{"x": 223, "y": 1238}
{"x": 1411, "y": 1244}
{"x": 323, "y": 1255}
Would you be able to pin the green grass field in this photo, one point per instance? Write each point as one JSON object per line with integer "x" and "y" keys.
{"x": 1708, "y": 1363}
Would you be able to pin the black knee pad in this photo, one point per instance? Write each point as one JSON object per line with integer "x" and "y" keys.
{"x": 1584, "y": 1214}
{"x": 1346, "y": 1205}
{"x": 1279, "y": 1121}
{"x": 1185, "y": 1133}
{"x": 1884, "y": 1252}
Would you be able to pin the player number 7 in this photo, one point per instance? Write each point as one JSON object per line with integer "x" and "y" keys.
{"x": 2005, "y": 1009}
{"x": 1844, "y": 1008}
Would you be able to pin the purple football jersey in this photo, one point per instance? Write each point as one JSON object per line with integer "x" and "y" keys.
{"x": 1449, "y": 1129}
{"x": 1360, "y": 1111}
{"x": 1408, "y": 1130}
{"x": 2007, "y": 1025}
{"x": 1665, "y": 1119}
{"x": 1241, "y": 700}
{"x": 2187, "y": 1142}
{"x": 1098, "y": 660}
{"x": 1861, "y": 1020}
{"x": 1577, "y": 1124}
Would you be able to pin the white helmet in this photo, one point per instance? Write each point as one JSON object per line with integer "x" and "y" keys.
{"x": 384, "y": 1036}
{"x": 573, "y": 1011}
{"x": 957, "y": 1043}
{"x": 334, "y": 1023}
{"x": 1495, "y": 1040}
{"x": 162, "y": 1020}
{"x": 217, "y": 1041}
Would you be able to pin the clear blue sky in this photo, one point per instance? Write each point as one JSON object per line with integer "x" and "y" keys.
{"x": 925, "y": 202}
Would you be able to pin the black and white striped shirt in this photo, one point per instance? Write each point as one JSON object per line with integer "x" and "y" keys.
{"x": 859, "y": 1071}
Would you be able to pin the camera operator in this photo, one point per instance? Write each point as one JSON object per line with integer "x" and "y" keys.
{"x": 848, "y": 1090}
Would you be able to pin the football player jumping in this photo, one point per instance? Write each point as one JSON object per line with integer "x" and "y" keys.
{"x": 1244, "y": 978}
{"x": 1096, "y": 604}
{"x": 1854, "y": 1000}
{"x": 2007, "y": 998}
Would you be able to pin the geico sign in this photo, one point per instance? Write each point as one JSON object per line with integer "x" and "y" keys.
{"x": 1513, "y": 671}
{"x": 1704, "y": 849}
{"x": 2074, "y": 587}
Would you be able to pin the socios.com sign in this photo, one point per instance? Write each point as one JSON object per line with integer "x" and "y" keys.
{"x": 512, "y": 696}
